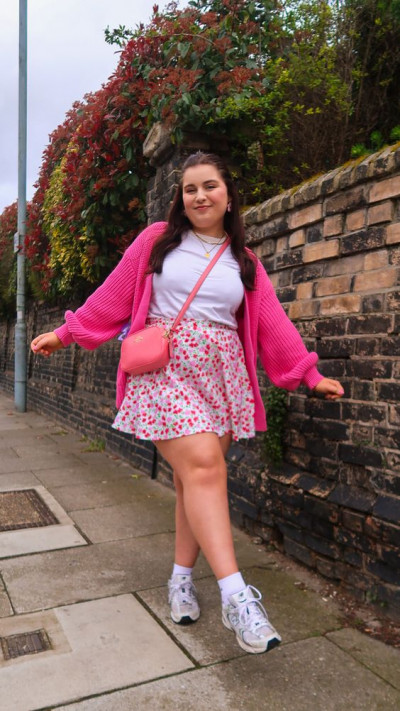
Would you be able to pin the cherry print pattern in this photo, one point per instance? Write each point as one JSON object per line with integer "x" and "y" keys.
{"x": 204, "y": 388}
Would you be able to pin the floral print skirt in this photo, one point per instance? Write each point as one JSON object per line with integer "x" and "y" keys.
{"x": 204, "y": 388}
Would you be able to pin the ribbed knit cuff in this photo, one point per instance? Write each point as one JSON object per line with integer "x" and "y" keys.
{"x": 64, "y": 335}
{"x": 312, "y": 377}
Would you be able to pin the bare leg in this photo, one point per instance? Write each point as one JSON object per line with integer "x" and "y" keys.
{"x": 198, "y": 463}
{"x": 186, "y": 547}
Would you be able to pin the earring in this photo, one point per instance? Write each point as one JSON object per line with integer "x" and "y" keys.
{"x": 229, "y": 206}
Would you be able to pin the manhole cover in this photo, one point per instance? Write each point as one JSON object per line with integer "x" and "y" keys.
{"x": 18, "y": 645}
{"x": 24, "y": 509}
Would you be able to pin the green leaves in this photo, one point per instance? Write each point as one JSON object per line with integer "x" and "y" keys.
{"x": 276, "y": 407}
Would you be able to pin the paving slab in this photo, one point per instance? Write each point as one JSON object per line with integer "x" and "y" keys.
{"x": 46, "y": 449}
{"x": 88, "y": 572}
{"x": 7, "y": 452}
{"x": 383, "y": 660}
{"x": 9, "y": 425}
{"x": 93, "y": 459}
{"x": 27, "y": 438}
{"x": 36, "y": 461}
{"x": 108, "y": 644}
{"x": 5, "y": 606}
{"x": 34, "y": 540}
{"x": 60, "y": 475}
{"x": 18, "y": 480}
{"x": 110, "y": 491}
{"x": 131, "y": 520}
{"x": 309, "y": 675}
{"x": 30, "y": 420}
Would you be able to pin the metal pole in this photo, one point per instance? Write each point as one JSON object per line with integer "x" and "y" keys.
{"x": 20, "y": 327}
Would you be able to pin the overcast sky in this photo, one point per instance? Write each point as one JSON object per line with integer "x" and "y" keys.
{"x": 67, "y": 57}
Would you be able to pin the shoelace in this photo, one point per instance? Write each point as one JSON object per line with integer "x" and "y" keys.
{"x": 252, "y": 612}
{"x": 185, "y": 589}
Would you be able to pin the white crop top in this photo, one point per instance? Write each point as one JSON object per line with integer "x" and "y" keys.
{"x": 218, "y": 298}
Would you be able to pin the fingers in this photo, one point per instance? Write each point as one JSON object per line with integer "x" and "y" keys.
{"x": 334, "y": 390}
{"x": 331, "y": 389}
{"x": 38, "y": 346}
{"x": 45, "y": 344}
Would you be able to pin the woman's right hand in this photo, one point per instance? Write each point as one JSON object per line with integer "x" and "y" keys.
{"x": 46, "y": 344}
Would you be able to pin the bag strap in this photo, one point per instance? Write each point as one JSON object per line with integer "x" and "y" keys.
{"x": 198, "y": 285}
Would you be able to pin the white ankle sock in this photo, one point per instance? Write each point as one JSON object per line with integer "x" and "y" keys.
{"x": 230, "y": 585}
{"x": 181, "y": 570}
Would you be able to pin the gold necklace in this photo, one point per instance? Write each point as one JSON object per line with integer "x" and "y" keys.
{"x": 208, "y": 252}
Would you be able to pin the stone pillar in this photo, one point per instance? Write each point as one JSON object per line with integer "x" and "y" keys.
{"x": 167, "y": 157}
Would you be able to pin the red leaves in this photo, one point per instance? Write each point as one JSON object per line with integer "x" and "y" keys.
{"x": 175, "y": 69}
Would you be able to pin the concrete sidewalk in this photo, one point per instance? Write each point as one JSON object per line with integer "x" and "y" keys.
{"x": 91, "y": 585}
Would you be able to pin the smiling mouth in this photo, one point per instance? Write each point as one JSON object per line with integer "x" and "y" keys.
{"x": 202, "y": 207}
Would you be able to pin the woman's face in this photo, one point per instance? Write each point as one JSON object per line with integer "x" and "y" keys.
{"x": 205, "y": 199}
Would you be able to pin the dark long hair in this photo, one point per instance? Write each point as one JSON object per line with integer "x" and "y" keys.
{"x": 179, "y": 223}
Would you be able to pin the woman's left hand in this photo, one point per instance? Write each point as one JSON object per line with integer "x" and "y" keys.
{"x": 332, "y": 389}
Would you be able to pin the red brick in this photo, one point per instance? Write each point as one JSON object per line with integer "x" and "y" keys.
{"x": 380, "y": 213}
{"x": 306, "y": 216}
{"x": 376, "y": 280}
{"x": 274, "y": 278}
{"x": 355, "y": 220}
{"x": 321, "y": 250}
{"x": 333, "y": 285}
{"x": 302, "y": 309}
{"x": 393, "y": 233}
{"x": 348, "y": 265}
{"x": 385, "y": 189}
{"x": 376, "y": 260}
{"x": 297, "y": 239}
{"x": 349, "y": 303}
{"x": 281, "y": 244}
{"x": 305, "y": 291}
{"x": 333, "y": 225}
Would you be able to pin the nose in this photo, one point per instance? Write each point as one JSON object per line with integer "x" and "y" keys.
{"x": 200, "y": 196}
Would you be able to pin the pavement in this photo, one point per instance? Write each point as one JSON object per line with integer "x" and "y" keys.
{"x": 83, "y": 599}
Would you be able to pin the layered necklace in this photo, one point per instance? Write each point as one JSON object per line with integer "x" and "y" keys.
{"x": 206, "y": 244}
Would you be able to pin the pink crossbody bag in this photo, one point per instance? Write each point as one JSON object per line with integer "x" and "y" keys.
{"x": 151, "y": 348}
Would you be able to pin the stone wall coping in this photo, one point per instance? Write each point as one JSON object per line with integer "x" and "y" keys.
{"x": 378, "y": 165}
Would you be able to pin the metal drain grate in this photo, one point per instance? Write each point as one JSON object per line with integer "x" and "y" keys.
{"x": 24, "y": 509}
{"x": 18, "y": 645}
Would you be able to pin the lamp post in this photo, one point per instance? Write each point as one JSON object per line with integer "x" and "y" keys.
{"x": 20, "y": 378}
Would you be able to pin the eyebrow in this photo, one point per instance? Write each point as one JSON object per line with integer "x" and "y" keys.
{"x": 205, "y": 182}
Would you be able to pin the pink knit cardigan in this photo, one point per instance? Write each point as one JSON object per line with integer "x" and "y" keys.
{"x": 263, "y": 327}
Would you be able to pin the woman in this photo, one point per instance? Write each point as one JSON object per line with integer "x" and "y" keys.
{"x": 208, "y": 393}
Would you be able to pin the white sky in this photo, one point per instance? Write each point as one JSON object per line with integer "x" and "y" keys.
{"x": 67, "y": 57}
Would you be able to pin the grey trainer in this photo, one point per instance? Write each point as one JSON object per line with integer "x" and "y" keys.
{"x": 182, "y": 597}
{"x": 246, "y": 616}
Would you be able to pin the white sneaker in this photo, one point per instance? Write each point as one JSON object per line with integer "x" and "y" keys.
{"x": 182, "y": 597}
{"x": 246, "y": 616}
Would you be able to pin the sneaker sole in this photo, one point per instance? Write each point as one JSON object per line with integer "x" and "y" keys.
{"x": 186, "y": 620}
{"x": 271, "y": 644}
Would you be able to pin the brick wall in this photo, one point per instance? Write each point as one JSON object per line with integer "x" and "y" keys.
{"x": 332, "y": 249}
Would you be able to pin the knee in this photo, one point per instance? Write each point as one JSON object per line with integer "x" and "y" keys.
{"x": 209, "y": 471}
